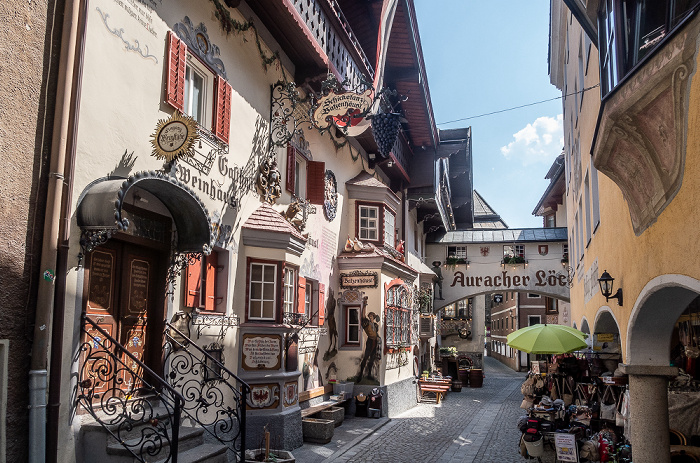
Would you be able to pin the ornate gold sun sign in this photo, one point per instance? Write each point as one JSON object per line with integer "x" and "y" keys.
{"x": 174, "y": 137}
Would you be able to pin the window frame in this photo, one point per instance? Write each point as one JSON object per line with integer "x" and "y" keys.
{"x": 194, "y": 65}
{"x": 347, "y": 310}
{"x": 379, "y": 221}
{"x": 275, "y": 301}
{"x": 398, "y": 315}
{"x": 290, "y": 303}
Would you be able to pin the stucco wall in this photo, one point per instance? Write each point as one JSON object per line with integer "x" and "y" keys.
{"x": 28, "y": 74}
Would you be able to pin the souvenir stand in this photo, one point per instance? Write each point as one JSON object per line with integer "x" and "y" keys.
{"x": 580, "y": 394}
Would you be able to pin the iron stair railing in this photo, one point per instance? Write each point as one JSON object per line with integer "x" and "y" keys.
{"x": 215, "y": 398}
{"x": 122, "y": 394}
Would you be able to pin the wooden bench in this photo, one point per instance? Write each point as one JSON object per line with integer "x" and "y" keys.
{"x": 439, "y": 388}
{"x": 322, "y": 406}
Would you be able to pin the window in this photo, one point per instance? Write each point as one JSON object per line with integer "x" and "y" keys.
{"x": 195, "y": 90}
{"x": 389, "y": 229}
{"x": 198, "y": 91}
{"x": 369, "y": 223}
{"x": 587, "y": 201}
{"x": 289, "y": 284}
{"x": 201, "y": 288}
{"x": 352, "y": 335}
{"x": 306, "y": 179}
{"x": 595, "y": 198}
{"x": 398, "y": 315}
{"x": 520, "y": 250}
{"x": 261, "y": 300}
{"x": 460, "y": 252}
{"x": 533, "y": 320}
{"x": 308, "y": 309}
{"x": 550, "y": 221}
{"x": 565, "y": 252}
{"x": 533, "y": 296}
{"x": 644, "y": 24}
{"x": 449, "y": 311}
{"x": 550, "y": 305}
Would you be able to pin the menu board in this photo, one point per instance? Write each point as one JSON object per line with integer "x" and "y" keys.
{"x": 261, "y": 352}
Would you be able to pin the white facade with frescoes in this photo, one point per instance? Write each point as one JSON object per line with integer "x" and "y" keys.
{"x": 207, "y": 249}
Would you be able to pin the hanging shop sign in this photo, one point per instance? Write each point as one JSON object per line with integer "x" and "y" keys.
{"x": 344, "y": 109}
{"x": 359, "y": 279}
{"x": 174, "y": 137}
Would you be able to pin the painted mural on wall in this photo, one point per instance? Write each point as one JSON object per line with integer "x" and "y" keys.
{"x": 331, "y": 326}
{"x": 310, "y": 372}
{"x": 372, "y": 354}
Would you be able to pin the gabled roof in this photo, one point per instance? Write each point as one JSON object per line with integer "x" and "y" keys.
{"x": 501, "y": 236}
{"x": 268, "y": 219}
{"x": 485, "y": 216}
{"x": 365, "y": 179}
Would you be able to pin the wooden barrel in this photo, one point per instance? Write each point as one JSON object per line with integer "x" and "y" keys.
{"x": 464, "y": 376}
{"x": 476, "y": 377}
{"x": 456, "y": 385}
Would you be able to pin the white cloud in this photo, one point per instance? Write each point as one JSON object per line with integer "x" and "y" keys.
{"x": 539, "y": 142}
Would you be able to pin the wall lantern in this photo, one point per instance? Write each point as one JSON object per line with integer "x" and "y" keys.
{"x": 606, "y": 287}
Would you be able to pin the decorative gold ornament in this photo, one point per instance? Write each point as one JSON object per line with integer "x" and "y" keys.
{"x": 174, "y": 137}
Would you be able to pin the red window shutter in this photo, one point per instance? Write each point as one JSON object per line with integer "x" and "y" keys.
{"x": 291, "y": 167}
{"x": 177, "y": 60}
{"x": 315, "y": 181}
{"x": 211, "y": 263}
{"x": 193, "y": 284}
{"x": 222, "y": 113}
{"x": 301, "y": 299}
{"x": 321, "y": 304}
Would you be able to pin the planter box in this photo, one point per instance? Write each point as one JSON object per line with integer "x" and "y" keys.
{"x": 337, "y": 414}
{"x": 343, "y": 388}
{"x": 258, "y": 455}
{"x": 317, "y": 431}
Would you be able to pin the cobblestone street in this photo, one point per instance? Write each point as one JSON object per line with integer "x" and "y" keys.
{"x": 475, "y": 425}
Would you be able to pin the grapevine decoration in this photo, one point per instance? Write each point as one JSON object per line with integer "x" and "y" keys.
{"x": 385, "y": 128}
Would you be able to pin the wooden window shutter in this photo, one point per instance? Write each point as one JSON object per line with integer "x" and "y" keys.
{"x": 321, "y": 304}
{"x": 315, "y": 181}
{"x": 291, "y": 167}
{"x": 301, "y": 299}
{"x": 210, "y": 264}
{"x": 177, "y": 61}
{"x": 222, "y": 111}
{"x": 193, "y": 284}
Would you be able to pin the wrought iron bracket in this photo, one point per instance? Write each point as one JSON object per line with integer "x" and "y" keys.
{"x": 203, "y": 320}
{"x": 90, "y": 239}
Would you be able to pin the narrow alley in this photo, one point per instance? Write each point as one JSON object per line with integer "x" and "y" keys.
{"x": 475, "y": 425}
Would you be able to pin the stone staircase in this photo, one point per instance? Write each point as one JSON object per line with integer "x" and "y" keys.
{"x": 101, "y": 446}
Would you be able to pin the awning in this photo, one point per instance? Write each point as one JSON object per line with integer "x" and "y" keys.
{"x": 100, "y": 208}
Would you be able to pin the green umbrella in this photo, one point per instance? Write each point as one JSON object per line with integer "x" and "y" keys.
{"x": 547, "y": 339}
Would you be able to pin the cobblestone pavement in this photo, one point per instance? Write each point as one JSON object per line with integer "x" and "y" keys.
{"x": 475, "y": 425}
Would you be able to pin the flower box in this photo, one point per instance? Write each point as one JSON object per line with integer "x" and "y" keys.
{"x": 317, "y": 431}
{"x": 337, "y": 414}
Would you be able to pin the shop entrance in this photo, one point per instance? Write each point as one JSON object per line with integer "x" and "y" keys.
{"x": 124, "y": 296}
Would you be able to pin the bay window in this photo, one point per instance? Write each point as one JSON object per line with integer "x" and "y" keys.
{"x": 289, "y": 285}
{"x": 369, "y": 223}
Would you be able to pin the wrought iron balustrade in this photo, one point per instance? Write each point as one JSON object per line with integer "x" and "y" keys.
{"x": 295, "y": 319}
{"x": 215, "y": 398}
{"x": 129, "y": 400}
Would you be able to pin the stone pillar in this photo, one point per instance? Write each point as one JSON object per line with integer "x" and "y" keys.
{"x": 649, "y": 432}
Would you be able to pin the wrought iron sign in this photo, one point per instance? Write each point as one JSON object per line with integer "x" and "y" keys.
{"x": 359, "y": 279}
{"x": 338, "y": 104}
{"x": 330, "y": 196}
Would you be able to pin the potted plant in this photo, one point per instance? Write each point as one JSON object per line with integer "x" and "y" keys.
{"x": 511, "y": 259}
{"x": 453, "y": 261}
{"x": 448, "y": 351}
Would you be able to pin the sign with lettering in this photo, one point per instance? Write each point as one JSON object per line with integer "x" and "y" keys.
{"x": 566, "y": 447}
{"x": 359, "y": 280}
{"x": 174, "y": 137}
{"x": 341, "y": 108}
{"x": 261, "y": 352}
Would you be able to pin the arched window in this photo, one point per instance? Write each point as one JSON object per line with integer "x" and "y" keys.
{"x": 398, "y": 312}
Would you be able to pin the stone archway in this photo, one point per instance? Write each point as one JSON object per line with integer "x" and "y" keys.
{"x": 584, "y": 326}
{"x": 647, "y": 353}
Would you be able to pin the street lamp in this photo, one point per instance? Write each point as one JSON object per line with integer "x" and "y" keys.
{"x": 606, "y": 287}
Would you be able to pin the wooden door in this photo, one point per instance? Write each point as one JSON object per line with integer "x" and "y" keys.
{"x": 122, "y": 296}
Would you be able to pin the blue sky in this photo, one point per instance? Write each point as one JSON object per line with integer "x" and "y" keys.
{"x": 485, "y": 56}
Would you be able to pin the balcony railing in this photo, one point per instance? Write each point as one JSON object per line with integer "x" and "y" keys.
{"x": 329, "y": 40}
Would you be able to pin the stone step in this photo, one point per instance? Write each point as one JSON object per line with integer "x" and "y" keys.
{"x": 205, "y": 453}
{"x": 189, "y": 438}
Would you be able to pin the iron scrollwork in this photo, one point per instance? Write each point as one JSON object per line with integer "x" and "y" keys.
{"x": 178, "y": 263}
{"x": 215, "y": 398}
{"x": 203, "y": 320}
{"x": 121, "y": 393}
